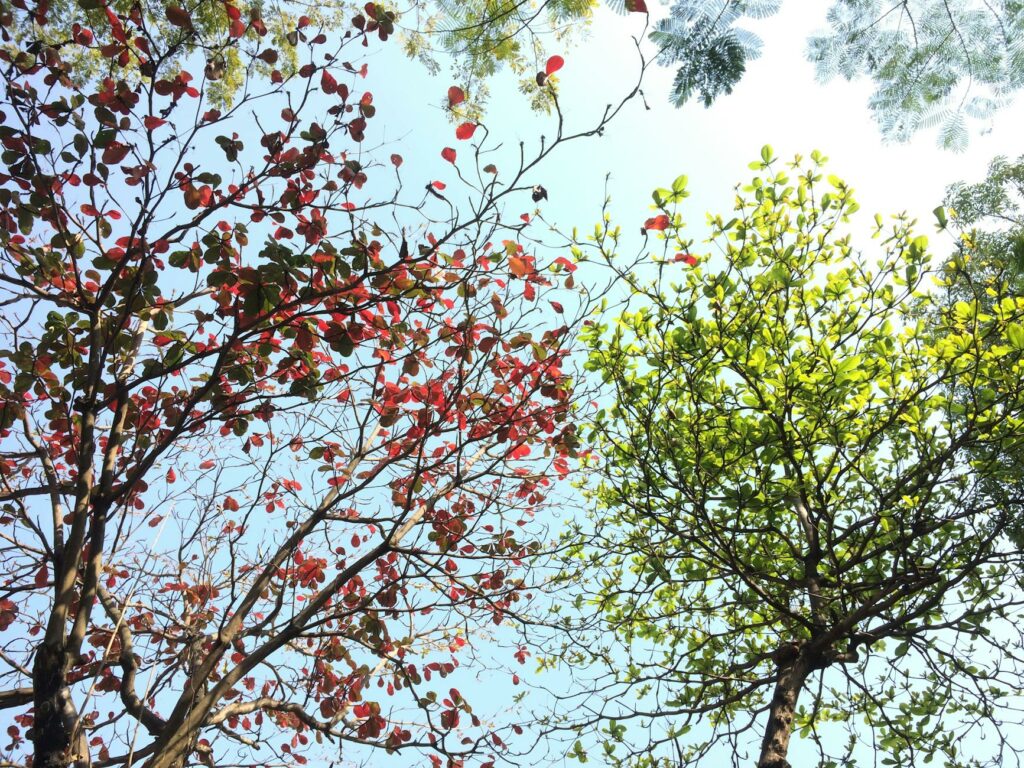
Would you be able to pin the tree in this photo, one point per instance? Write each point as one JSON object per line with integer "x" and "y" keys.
{"x": 273, "y": 425}
{"x": 989, "y": 219}
{"x": 227, "y": 36}
{"x": 482, "y": 36}
{"x": 793, "y": 522}
{"x": 477, "y": 37}
{"x": 934, "y": 63}
{"x": 701, "y": 36}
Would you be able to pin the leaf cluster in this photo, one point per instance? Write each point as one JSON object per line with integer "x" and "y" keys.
{"x": 794, "y": 465}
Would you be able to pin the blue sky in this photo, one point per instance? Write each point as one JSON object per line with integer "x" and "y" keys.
{"x": 778, "y": 102}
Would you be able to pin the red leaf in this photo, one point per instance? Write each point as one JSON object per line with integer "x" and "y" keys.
{"x": 114, "y": 153}
{"x": 327, "y": 82}
{"x": 152, "y": 123}
{"x": 116, "y": 28}
{"x": 208, "y": 464}
{"x": 8, "y": 612}
{"x": 658, "y": 223}
{"x": 688, "y": 258}
{"x": 396, "y": 160}
{"x": 518, "y": 266}
{"x": 82, "y": 36}
{"x": 162, "y": 339}
{"x": 42, "y": 576}
{"x": 438, "y": 184}
{"x": 636, "y": 6}
{"x": 178, "y": 16}
{"x": 448, "y": 154}
{"x": 465, "y": 131}
{"x": 455, "y": 96}
{"x": 171, "y": 475}
{"x": 554, "y": 64}
{"x": 232, "y": 11}
{"x": 519, "y": 452}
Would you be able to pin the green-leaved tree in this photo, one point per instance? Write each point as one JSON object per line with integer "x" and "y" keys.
{"x": 933, "y": 63}
{"x": 989, "y": 218}
{"x": 793, "y": 517}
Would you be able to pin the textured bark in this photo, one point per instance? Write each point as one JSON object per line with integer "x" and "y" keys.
{"x": 16, "y": 697}
{"x": 56, "y": 719}
{"x": 49, "y": 736}
{"x": 790, "y": 681}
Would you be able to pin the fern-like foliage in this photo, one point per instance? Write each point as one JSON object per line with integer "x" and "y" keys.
{"x": 701, "y": 36}
{"x": 934, "y": 62}
{"x": 476, "y": 39}
{"x": 946, "y": 65}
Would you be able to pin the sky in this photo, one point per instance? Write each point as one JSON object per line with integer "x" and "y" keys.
{"x": 778, "y": 102}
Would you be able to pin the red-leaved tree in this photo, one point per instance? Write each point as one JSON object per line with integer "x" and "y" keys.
{"x": 271, "y": 443}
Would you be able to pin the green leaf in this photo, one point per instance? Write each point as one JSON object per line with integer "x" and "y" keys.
{"x": 1015, "y": 333}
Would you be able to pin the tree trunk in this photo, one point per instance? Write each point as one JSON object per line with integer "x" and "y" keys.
{"x": 55, "y": 717}
{"x": 173, "y": 749}
{"x": 164, "y": 759}
{"x": 788, "y": 685}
